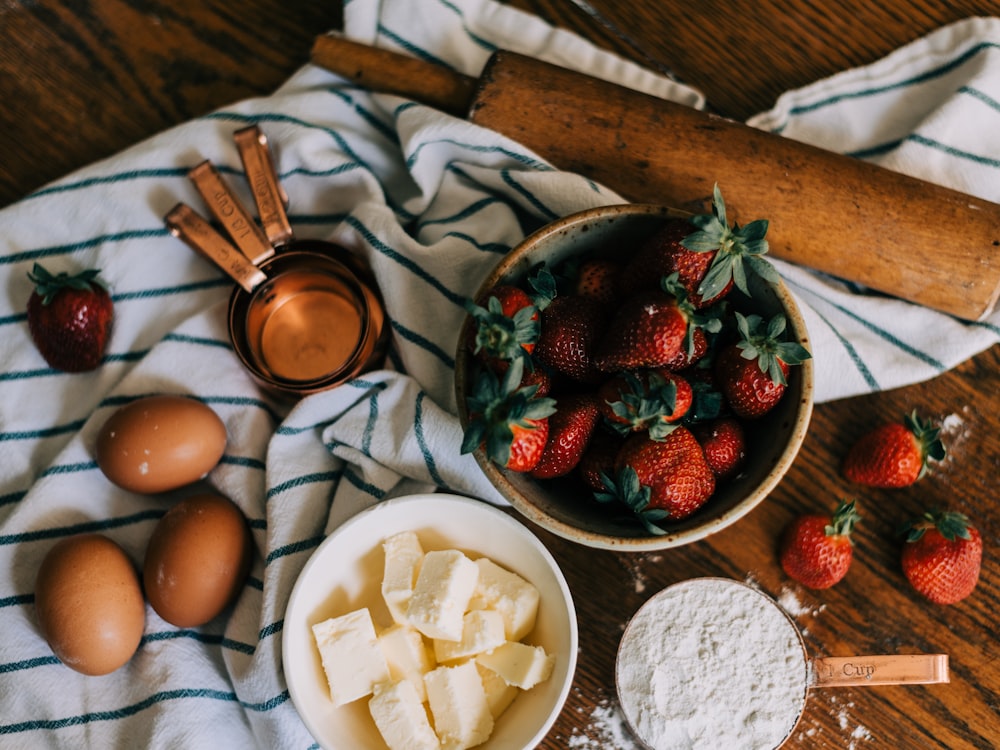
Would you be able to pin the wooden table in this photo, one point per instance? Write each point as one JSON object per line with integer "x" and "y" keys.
{"x": 80, "y": 81}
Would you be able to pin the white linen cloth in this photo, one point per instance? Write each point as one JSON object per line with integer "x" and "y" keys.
{"x": 432, "y": 202}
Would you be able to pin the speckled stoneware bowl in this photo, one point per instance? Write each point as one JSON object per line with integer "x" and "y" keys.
{"x": 564, "y": 507}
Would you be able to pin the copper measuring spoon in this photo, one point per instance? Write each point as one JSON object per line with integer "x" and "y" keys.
{"x": 306, "y": 315}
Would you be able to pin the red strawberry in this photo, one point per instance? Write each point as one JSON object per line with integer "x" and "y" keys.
{"x": 653, "y": 400}
{"x": 647, "y": 330}
{"x": 662, "y": 255}
{"x": 599, "y": 459}
{"x": 597, "y": 279}
{"x": 895, "y": 454}
{"x": 942, "y": 556}
{"x": 708, "y": 255}
{"x": 752, "y": 374}
{"x": 509, "y": 422}
{"x": 69, "y": 318}
{"x": 724, "y": 443}
{"x": 505, "y": 324}
{"x": 570, "y": 430}
{"x": 816, "y": 550}
{"x": 661, "y": 479}
{"x": 571, "y": 326}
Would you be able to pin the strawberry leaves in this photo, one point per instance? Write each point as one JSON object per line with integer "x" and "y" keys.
{"x": 635, "y": 496}
{"x": 764, "y": 343}
{"x": 738, "y": 248}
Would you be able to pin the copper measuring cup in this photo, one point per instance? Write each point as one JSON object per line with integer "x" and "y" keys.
{"x": 306, "y": 315}
{"x": 809, "y": 674}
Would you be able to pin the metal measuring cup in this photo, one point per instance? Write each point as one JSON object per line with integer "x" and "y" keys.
{"x": 306, "y": 315}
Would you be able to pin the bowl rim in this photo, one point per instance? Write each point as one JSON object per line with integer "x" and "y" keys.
{"x": 391, "y": 506}
{"x": 499, "y": 478}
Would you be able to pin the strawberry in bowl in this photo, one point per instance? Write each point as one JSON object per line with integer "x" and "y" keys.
{"x": 679, "y": 357}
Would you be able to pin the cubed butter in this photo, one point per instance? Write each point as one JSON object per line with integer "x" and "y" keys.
{"x": 408, "y": 656}
{"x": 441, "y": 594}
{"x": 482, "y": 630}
{"x": 403, "y": 554}
{"x": 499, "y": 695}
{"x": 519, "y": 664}
{"x": 351, "y": 655}
{"x": 509, "y": 594}
{"x": 458, "y": 704}
{"x": 401, "y": 717}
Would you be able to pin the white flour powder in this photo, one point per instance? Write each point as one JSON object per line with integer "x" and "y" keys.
{"x": 711, "y": 663}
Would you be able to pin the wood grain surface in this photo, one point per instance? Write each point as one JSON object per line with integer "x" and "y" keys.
{"x": 82, "y": 80}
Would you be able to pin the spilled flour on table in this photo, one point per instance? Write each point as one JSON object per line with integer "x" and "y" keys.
{"x": 606, "y": 729}
{"x": 633, "y": 563}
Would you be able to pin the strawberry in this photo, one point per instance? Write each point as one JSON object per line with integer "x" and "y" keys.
{"x": 599, "y": 459}
{"x": 894, "y": 454}
{"x": 942, "y": 556}
{"x": 724, "y": 442}
{"x": 647, "y": 330}
{"x": 708, "y": 255}
{"x": 571, "y": 326}
{"x": 660, "y": 479}
{"x": 752, "y": 373}
{"x": 69, "y": 317}
{"x": 816, "y": 550}
{"x": 570, "y": 430}
{"x": 652, "y": 400}
{"x": 505, "y": 324}
{"x": 597, "y": 279}
{"x": 508, "y": 421}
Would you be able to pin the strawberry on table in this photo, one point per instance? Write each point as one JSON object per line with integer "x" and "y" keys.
{"x": 894, "y": 454}
{"x": 70, "y": 318}
{"x": 942, "y": 556}
{"x": 668, "y": 476}
{"x": 570, "y": 429}
{"x": 816, "y": 550}
{"x": 752, "y": 373}
{"x": 508, "y": 421}
{"x": 651, "y": 400}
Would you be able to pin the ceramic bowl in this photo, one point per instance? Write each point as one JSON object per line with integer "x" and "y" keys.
{"x": 345, "y": 572}
{"x": 565, "y": 507}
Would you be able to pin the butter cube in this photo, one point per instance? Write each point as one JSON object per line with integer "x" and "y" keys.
{"x": 401, "y": 717}
{"x": 441, "y": 594}
{"x": 482, "y": 630}
{"x": 519, "y": 664}
{"x": 351, "y": 655}
{"x": 408, "y": 656}
{"x": 509, "y": 594}
{"x": 458, "y": 704}
{"x": 403, "y": 554}
{"x": 499, "y": 695}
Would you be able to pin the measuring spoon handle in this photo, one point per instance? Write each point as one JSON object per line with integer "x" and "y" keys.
{"x": 883, "y": 669}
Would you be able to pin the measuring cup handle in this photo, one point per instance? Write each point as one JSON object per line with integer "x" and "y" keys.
{"x": 270, "y": 197}
{"x": 884, "y": 669}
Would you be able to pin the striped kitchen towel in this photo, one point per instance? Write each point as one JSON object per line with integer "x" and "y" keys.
{"x": 432, "y": 202}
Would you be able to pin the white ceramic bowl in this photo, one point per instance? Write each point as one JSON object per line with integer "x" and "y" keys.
{"x": 558, "y": 506}
{"x": 345, "y": 573}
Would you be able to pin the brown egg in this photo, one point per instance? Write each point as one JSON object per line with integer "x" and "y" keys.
{"x": 89, "y": 604}
{"x": 160, "y": 443}
{"x": 197, "y": 560}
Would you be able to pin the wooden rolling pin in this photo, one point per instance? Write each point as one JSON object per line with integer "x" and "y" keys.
{"x": 893, "y": 233}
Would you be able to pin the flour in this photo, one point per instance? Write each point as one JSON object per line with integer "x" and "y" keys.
{"x": 711, "y": 663}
